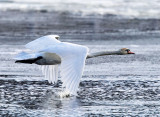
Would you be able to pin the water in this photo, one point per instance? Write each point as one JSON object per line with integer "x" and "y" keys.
{"x": 125, "y": 8}
{"x": 115, "y": 86}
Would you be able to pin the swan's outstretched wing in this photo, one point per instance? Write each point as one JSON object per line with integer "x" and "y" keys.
{"x": 50, "y": 72}
{"x": 72, "y": 63}
{"x": 42, "y": 43}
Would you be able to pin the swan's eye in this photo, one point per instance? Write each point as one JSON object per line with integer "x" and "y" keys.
{"x": 128, "y": 50}
{"x": 57, "y": 38}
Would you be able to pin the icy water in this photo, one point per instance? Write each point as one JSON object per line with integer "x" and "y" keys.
{"x": 111, "y": 86}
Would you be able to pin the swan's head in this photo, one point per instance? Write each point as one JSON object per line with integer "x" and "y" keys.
{"x": 57, "y": 37}
{"x": 126, "y": 51}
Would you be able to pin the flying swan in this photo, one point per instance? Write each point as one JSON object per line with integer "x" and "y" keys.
{"x": 49, "y": 52}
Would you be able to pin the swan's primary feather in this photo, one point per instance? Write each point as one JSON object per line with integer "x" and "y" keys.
{"x": 50, "y": 72}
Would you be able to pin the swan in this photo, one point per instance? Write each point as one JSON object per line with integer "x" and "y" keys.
{"x": 49, "y": 53}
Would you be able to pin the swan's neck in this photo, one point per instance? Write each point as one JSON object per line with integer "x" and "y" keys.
{"x": 91, "y": 55}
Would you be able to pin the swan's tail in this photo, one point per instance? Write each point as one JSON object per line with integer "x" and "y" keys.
{"x": 24, "y": 57}
{"x": 29, "y": 61}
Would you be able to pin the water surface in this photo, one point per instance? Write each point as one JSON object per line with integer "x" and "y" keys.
{"x": 127, "y": 85}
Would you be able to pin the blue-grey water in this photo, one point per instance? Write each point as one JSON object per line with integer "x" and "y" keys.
{"x": 111, "y": 86}
{"x": 125, "y": 8}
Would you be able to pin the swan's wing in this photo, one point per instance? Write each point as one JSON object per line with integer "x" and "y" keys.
{"x": 72, "y": 63}
{"x": 42, "y": 43}
{"x": 50, "y": 72}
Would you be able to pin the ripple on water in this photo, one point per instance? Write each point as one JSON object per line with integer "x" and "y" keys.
{"x": 36, "y": 98}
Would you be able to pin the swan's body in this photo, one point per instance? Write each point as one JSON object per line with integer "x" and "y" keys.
{"x": 50, "y": 52}
{"x": 49, "y": 59}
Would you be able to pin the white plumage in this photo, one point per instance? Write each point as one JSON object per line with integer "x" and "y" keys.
{"x": 50, "y": 72}
{"x": 72, "y": 57}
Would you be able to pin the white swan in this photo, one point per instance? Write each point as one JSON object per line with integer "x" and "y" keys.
{"x": 49, "y": 52}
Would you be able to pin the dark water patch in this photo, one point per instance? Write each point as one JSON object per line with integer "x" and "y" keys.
{"x": 39, "y": 96}
{"x": 120, "y": 90}
{"x": 29, "y": 94}
{"x": 95, "y": 115}
{"x": 13, "y": 76}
